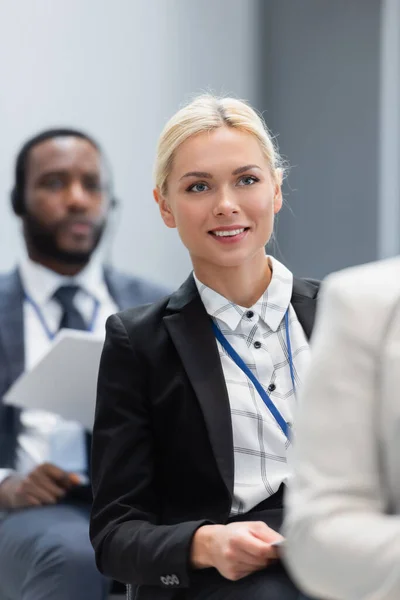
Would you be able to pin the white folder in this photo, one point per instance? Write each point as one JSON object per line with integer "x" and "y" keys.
{"x": 64, "y": 381}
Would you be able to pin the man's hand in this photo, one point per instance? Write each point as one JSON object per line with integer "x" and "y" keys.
{"x": 46, "y": 484}
{"x": 235, "y": 550}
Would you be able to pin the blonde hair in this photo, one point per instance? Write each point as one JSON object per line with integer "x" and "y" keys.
{"x": 206, "y": 113}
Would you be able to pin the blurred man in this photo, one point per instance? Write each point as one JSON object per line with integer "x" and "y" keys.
{"x": 63, "y": 196}
{"x": 343, "y": 505}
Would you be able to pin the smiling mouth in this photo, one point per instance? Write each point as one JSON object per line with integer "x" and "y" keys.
{"x": 229, "y": 232}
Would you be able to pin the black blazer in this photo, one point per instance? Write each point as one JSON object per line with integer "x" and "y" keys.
{"x": 162, "y": 455}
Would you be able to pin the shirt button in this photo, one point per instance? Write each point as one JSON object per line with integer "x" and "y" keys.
{"x": 257, "y": 345}
{"x": 249, "y": 314}
{"x": 272, "y": 387}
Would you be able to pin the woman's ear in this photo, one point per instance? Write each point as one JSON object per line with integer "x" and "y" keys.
{"x": 165, "y": 208}
{"x": 278, "y": 177}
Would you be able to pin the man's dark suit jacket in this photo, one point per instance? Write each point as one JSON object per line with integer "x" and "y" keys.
{"x": 126, "y": 291}
{"x": 162, "y": 455}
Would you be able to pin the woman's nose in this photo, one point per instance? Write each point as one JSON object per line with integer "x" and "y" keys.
{"x": 226, "y": 204}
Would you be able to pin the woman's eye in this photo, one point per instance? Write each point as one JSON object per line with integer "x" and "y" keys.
{"x": 248, "y": 180}
{"x": 198, "y": 187}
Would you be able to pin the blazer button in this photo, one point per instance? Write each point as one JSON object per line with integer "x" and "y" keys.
{"x": 170, "y": 579}
{"x": 257, "y": 345}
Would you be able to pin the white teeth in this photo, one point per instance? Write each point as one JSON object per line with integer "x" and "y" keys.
{"x": 228, "y": 233}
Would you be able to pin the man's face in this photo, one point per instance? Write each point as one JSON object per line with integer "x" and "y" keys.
{"x": 66, "y": 199}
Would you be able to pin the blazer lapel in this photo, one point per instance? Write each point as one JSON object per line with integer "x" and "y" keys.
{"x": 304, "y": 302}
{"x": 12, "y": 360}
{"x": 12, "y": 325}
{"x": 119, "y": 292}
{"x": 189, "y": 327}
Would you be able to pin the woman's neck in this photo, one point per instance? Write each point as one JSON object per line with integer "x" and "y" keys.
{"x": 242, "y": 285}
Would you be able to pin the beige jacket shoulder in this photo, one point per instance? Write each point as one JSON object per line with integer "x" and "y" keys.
{"x": 343, "y": 506}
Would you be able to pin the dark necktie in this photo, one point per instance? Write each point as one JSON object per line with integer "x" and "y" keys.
{"x": 71, "y": 317}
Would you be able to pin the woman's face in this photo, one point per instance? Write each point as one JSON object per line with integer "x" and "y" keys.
{"x": 221, "y": 197}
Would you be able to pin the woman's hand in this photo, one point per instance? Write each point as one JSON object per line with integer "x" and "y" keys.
{"x": 235, "y": 550}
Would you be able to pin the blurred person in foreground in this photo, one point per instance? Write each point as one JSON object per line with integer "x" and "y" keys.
{"x": 343, "y": 507}
{"x": 196, "y": 394}
{"x": 62, "y": 194}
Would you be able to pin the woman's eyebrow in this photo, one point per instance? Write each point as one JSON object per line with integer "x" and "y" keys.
{"x": 197, "y": 174}
{"x": 245, "y": 168}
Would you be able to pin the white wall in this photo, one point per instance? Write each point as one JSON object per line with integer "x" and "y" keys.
{"x": 118, "y": 69}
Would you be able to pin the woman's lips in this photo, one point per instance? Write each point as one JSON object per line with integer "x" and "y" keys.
{"x": 230, "y": 235}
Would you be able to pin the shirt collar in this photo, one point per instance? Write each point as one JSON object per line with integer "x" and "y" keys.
{"x": 270, "y": 307}
{"x": 40, "y": 283}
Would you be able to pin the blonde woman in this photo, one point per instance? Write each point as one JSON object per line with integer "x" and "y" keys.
{"x": 196, "y": 393}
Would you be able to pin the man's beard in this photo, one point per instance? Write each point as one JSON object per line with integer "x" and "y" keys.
{"x": 44, "y": 241}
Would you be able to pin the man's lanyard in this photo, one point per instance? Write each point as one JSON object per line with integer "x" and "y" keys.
{"x": 52, "y": 334}
{"x": 242, "y": 365}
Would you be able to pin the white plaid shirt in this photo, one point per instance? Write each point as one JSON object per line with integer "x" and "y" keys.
{"x": 259, "y": 337}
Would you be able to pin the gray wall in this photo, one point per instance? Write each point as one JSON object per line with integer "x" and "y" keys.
{"x": 389, "y": 181}
{"x": 317, "y": 68}
{"x": 321, "y": 78}
{"x": 118, "y": 69}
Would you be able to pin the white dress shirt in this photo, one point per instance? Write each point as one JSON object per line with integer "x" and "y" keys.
{"x": 46, "y": 437}
{"x": 258, "y": 335}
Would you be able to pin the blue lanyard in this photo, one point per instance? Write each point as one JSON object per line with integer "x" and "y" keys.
{"x": 242, "y": 365}
{"x": 52, "y": 334}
